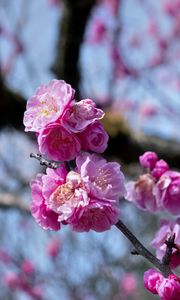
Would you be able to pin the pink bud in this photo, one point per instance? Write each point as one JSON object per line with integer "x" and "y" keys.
{"x": 160, "y": 167}
{"x": 148, "y": 160}
{"x": 152, "y": 279}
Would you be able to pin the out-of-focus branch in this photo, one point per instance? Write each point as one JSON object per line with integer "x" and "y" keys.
{"x": 127, "y": 144}
{"x": 12, "y": 107}
{"x": 71, "y": 32}
{"x": 9, "y": 201}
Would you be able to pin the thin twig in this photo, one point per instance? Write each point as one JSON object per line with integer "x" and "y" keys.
{"x": 169, "y": 249}
{"x": 141, "y": 250}
{"x": 46, "y": 162}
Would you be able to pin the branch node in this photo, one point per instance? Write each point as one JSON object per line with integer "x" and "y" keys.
{"x": 134, "y": 252}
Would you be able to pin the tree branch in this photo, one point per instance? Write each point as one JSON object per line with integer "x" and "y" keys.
{"x": 72, "y": 27}
{"x": 132, "y": 144}
{"x": 141, "y": 250}
{"x": 9, "y": 201}
{"x": 169, "y": 249}
{"x": 12, "y": 107}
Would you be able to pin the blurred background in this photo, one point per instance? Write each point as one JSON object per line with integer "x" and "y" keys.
{"x": 125, "y": 55}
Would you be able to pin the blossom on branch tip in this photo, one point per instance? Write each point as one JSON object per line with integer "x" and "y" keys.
{"x": 86, "y": 199}
{"x": 152, "y": 279}
{"x": 47, "y": 104}
{"x": 166, "y": 288}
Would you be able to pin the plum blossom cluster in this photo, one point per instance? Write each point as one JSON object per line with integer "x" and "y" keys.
{"x": 166, "y": 288}
{"x": 63, "y": 126}
{"x": 87, "y": 196}
{"x": 83, "y": 191}
{"x": 158, "y": 189}
{"x": 23, "y": 280}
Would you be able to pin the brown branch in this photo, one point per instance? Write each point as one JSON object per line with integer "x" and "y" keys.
{"x": 46, "y": 162}
{"x": 9, "y": 201}
{"x": 141, "y": 250}
{"x": 12, "y": 107}
{"x": 128, "y": 145}
{"x": 72, "y": 27}
{"x": 169, "y": 249}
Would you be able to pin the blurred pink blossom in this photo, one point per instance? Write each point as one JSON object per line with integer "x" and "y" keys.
{"x": 4, "y": 256}
{"x": 129, "y": 284}
{"x": 98, "y": 31}
{"x": 28, "y": 267}
{"x": 12, "y": 280}
{"x": 53, "y": 247}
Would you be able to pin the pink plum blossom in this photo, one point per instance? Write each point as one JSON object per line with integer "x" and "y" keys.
{"x": 94, "y": 138}
{"x": 168, "y": 192}
{"x": 169, "y": 288}
{"x": 43, "y": 215}
{"x": 104, "y": 179}
{"x": 69, "y": 197}
{"x": 87, "y": 198}
{"x": 142, "y": 193}
{"x": 167, "y": 230}
{"x": 148, "y": 159}
{"x": 129, "y": 284}
{"x": 47, "y": 104}
{"x": 81, "y": 114}
{"x": 58, "y": 143}
{"x": 98, "y": 216}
